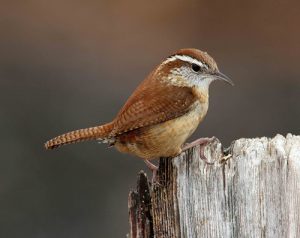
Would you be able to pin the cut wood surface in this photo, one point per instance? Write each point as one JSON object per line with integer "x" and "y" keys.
{"x": 251, "y": 190}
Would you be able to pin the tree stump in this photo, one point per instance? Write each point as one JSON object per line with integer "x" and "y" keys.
{"x": 252, "y": 189}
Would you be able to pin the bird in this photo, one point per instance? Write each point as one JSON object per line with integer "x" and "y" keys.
{"x": 162, "y": 112}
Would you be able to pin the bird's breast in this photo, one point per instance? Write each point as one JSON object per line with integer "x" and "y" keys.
{"x": 164, "y": 139}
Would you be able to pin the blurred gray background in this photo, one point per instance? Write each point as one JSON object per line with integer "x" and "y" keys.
{"x": 71, "y": 64}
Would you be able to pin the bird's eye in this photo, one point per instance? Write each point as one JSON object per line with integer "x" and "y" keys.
{"x": 196, "y": 67}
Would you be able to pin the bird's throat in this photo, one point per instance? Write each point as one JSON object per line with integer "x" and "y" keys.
{"x": 201, "y": 94}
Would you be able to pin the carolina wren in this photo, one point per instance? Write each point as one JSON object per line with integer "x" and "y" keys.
{"x": 162, "y": 112}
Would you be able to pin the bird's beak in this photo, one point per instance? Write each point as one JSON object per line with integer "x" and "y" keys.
{"x": 221, "y": 76}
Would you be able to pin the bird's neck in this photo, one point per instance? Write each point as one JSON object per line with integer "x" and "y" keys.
{"x": 201, "y": 94}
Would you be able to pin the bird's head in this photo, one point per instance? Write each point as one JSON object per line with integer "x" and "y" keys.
{"x": 191, "y": 67}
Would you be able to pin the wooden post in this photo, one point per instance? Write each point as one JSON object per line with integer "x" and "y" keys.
{"x": 251, "y": 190}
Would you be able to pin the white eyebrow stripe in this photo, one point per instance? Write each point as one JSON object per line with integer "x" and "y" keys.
{"x": 184, "y": 58}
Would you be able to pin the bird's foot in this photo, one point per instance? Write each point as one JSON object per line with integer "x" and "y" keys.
{"x": 202, "y": 142}
{"x": 154, "y": 170}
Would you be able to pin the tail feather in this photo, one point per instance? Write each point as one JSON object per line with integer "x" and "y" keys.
{"x": 92, "y": 133}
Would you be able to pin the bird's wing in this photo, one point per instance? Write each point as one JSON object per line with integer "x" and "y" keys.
{"x": 153, "y": 103}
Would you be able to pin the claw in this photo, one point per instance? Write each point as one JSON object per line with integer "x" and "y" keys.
{"x": 154, "y": 170}
{"x": 202, "y": 142}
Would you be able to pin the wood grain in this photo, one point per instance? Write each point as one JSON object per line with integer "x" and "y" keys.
{"x": 254, "y": 192}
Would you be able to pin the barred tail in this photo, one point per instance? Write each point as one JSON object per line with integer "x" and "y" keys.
{"x": 92, "y": 133}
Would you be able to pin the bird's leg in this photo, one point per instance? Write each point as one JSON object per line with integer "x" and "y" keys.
{"x": 202, "y": 142}
{"x": 153, "y": 168}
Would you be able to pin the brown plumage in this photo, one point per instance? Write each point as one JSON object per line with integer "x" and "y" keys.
{"x": 79, "y": 135}
{"x": 163, "y": 111}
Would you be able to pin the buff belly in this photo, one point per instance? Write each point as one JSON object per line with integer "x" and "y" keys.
{"x": 164, "y": 139}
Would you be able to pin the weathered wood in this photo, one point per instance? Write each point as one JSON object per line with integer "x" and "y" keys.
{"x": 253, "y": 190}
{"x": 139, "y": 204}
